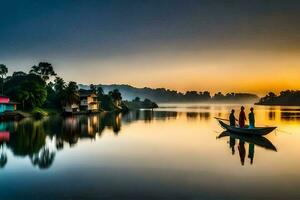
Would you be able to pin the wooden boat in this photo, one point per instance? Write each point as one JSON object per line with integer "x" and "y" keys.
{"x": 246, "y": 130}
{"x": 254, "y": 139}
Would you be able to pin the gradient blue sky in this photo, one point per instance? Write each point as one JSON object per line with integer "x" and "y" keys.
{"x": 187, "y": 44}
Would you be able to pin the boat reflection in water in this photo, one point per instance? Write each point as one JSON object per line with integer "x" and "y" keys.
{"x": 242, "y": 139}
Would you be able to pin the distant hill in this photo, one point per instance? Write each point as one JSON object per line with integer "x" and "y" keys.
{"x": 161, "y": 95}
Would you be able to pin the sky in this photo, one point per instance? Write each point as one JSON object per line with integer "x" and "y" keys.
{"x": 239, "y": 46}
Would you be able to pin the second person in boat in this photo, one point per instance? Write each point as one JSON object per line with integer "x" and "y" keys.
{"x": 242, "y": 117}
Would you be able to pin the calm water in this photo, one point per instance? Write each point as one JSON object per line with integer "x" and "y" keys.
{"x": 171, "y": 153}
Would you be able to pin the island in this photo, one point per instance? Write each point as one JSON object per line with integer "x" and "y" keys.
{"x": 285, "y": 98}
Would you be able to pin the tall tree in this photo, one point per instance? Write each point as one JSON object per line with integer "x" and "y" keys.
{"x": 93, "y": 88}
{"x": 100, "y": 93}
{"x": 3, "y": 72}
{"x": 19, "y": 73}
{"x": 59, "y": 84}
{"x": 23, "y": 96}
{"x": 116, "y": 96}
{"x": 71, "y": 95}
{"x": 43, "y": 69}
{"x": 29, "y": 89}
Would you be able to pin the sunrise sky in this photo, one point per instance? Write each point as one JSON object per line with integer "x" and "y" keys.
{"x": 248, "y": 46}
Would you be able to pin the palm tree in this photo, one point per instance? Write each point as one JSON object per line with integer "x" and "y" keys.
{"x": 93, "y": 88}
{"x": 100, "y": 93}
{"x": 116, "y": 96}
{"x": 71, "y": 95}
{"x": 3, "y": 72}
{"x": 59, "y": 84}
{"x": 23, "y": 96}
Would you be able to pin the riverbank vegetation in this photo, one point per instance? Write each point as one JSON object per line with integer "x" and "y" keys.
{"x": 285, "y": 98}
{"x": 136, "y": 104}
{"x": 41, "y": 90}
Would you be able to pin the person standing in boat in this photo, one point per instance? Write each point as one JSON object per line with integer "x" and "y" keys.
{"x": 251, "y": 118}
{"x": 232, "y": 118}
{"x": 242, "y": 117}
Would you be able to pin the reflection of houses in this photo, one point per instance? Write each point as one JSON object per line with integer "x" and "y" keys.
{"x": 4, "y": 136}
{"x": 88, "y": 103}
{"x": 71, "y": 108}
{"x": 6, "y": 105}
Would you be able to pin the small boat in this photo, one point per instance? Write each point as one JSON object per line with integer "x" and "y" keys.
{"x": 246, "y": 130}
{"x": 254, "y": 139}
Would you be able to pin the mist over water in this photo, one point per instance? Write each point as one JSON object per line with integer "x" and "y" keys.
{"x": 175, "y": 151}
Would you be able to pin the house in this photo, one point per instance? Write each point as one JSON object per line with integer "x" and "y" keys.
{"x": 6, "y": 105}
{"x": 88, "y": 101}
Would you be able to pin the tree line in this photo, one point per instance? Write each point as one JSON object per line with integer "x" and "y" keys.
{"x": 41, "y": 87}
{"x": 285, "y": 98}
{"x": 167, "y": 95}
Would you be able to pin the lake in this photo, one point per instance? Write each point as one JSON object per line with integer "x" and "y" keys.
{"x": 173, "y": 152}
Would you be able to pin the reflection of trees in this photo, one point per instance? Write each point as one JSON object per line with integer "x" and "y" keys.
{"x": 204, "y": 115}
{"x": 3, "y": 157}
{"x": 290, "y": 116}
{"x": 271, "y": 115}
{"x": 194, "y": 115}
{"x": 28, "y": 138}
{"x": 43, "y": 159}
{"x": 111, "y": 120}
{"x": 148, "y": 115}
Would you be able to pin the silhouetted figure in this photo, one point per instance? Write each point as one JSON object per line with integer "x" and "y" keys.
{"x": 242, "y": 151}
{"x": 232, "y": 118}
{"x": 232, "y": 144}
{"x": 251, "y": 153}
{"x": 251, "y": 118}
{"x": 242, "y": 117}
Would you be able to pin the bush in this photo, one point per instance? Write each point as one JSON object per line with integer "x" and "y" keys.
{"x": 39, "y": 113}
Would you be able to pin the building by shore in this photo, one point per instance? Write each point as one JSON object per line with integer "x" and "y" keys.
{"x": 6, "y": 105}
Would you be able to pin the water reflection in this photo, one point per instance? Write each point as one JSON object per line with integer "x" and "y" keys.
{"x": 243, "y": 140}
{"x": 195, "y": 115}
{"x": 290, "y": 116}
{"x": 149, "y": 116}
{"x": 40, "y": 141}
{"x": 33, "y": 139}
{"x": 272, "y": 114}
{"x": 159, "y": 151}
{"x": 283, "y": 114}
{"x": 3, "y": 157}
